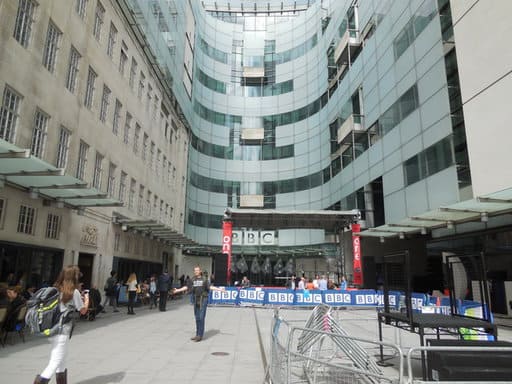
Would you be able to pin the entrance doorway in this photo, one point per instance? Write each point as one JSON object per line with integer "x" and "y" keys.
{"x": 85, "y": 262}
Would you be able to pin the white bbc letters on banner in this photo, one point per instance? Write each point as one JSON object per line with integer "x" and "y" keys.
{"x": 236, "y": 238}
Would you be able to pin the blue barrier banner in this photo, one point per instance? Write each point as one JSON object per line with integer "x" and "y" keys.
{"x": 337, "y": 298}
{"x": 228, "y": 296}
{"x": 251, "y": 296}
{"x": 279, "y": 297}
{"x": 418, "y": 300}
{"x": 308, "y": 297}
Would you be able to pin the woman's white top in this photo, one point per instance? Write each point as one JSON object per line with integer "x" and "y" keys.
{"x": 132, "y": 285}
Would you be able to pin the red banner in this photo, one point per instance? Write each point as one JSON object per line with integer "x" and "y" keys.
{"x": 227, "y": 233}
{"x": 356, "y": 248}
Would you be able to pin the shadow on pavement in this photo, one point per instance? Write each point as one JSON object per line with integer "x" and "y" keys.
{"x": 116, "y": 377}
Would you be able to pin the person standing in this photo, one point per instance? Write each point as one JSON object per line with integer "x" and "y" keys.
{"x": 152, "y": 292}
{"x": 132, "y": 292}
{"x": 111, "y": 292}
{"x": 164, "y": 284}
{"x": 200, "y": 287}
{"x": 70, "y": 300}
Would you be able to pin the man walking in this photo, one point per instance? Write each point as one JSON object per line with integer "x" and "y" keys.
{"x": 111, "y": 292}
{"x": 164, "y": 283}
{"x": 200, "y": 287}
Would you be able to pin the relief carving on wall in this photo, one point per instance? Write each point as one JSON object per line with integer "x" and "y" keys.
{"x": 89, "y": 235}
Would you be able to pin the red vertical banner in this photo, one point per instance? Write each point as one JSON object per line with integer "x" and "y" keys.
{"x": 227, "y": 233}
{"x": 356, "y": 248}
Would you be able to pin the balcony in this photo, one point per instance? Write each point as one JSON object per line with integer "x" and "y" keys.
{"x": 251, "y": 201}
{"x": 252, "y": 134}
{"x": 354, "y": 123}
{"x": 349, "y": 41}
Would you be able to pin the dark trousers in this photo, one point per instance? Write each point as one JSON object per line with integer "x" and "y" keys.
{"x": 131, "y": 300}
{"x": 163, "y": 300}
{"x": 200, "y": 315}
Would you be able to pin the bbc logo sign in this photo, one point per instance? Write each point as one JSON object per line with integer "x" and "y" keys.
{"x": 254, "y": 238}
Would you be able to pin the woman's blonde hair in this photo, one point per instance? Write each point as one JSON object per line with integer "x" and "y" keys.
{"x": 132, "y": 277}
{"x": 68, "y": 281}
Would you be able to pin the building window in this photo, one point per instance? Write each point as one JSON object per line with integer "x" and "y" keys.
{"x": 151, "y": 155}
{"x": 26, "y": 219}
{"x": 142, "y": 80}
{"x": 140, "y": 202}
{"x": 82, "y": 160}
{"x": 123, "y": 58}
{"x": 131, "y": 195}
{"x": 148, "y": 204}
{"x": 98, "y": 171}
{"x": 2, "y": 210}
{"x": 89, "y": 88}
{"x": 112, "y": 37}
{"x": 74, "y": 61}
{"x": 127, "y": 244}
{"x": 145, "y": 146}
{"x": 111, "y": 181}
{"x": 24, "y": 21}
{"x": 39, "y": 134}
{"x": 52, "y": 226}
{"x": 117, "y": 117}
{"x": 148, "y": 104}
{"x": 105, "y": 99}
{"x": 122, "y": 186}
{"x": 133, "y": 73}
{"x": 157, "y": 163}
{"x": 136, "y": 137}
{"x": 63, "y": 148}
{"x": 164, "y": 165}
{"x": 99, "y": 15}
{"x": 51, "y": 46}
{"x": 9, "y": 114}
{"x": 81, "y": 7}
{"x": 117, "y": 240}
{"x": 127, "y": 127}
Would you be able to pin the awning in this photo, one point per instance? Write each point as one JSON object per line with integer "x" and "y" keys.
{"x": 42, "y": 180}
{"x": 331, "y": 221}
{"x": 478, "y": 210}
{"x": 154, "y": 230}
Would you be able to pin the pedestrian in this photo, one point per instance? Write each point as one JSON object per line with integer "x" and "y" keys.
{"x": 132, "y": 292}
{"x": 343, "y": 283}
{"x": 70, "y": 300}
{"x": 200, "y": 287}
{"x": 152, "y": 292}
{"x": 111, "y": 292}
{"x": 164, "y": 284}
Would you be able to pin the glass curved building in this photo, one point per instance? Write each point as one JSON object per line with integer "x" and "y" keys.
{"x": 320, "y": 105}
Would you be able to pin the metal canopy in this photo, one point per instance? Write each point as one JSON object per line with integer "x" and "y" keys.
{"x": 331, "y": 221}
{"x": 24, "y": 171}
{"x": 153, "y": 229}
{"x": 479, "y": 209}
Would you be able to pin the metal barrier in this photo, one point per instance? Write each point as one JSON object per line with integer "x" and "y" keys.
{"x": 321, "y": 352}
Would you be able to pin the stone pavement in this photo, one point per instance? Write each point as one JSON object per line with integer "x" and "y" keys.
{"x": 155, "y": 347}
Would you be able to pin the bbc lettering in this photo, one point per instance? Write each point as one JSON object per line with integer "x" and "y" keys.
{"x": 252, "y": 295}
{"x": 278, "y": 297}
{"x": 224, "y": 295}
{"x": 253, "y": 238}
{"x": 315, "y": 298}
{"x": 337, "y": 298}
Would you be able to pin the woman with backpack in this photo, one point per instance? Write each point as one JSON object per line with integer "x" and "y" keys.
{"x": 70, "y": 300}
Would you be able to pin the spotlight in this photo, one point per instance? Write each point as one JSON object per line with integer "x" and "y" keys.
{"x": 423, "y": 230}
{"x": 449, "y": 224}
{"x": 484, "y": 217}
{"x": 401, "y": 235}
{"x": 59, "y": 203}
{"x": 124, "y": 227}
{"x": 381, "y": 239}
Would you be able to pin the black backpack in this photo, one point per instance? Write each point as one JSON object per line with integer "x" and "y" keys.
{"x": 44, "y": 316}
